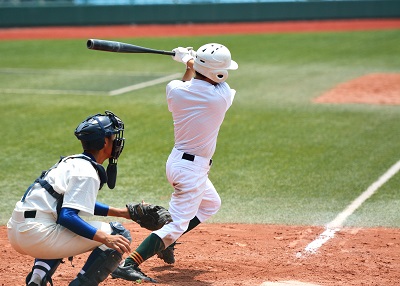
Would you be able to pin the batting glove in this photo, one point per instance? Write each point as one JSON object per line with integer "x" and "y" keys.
{"x": 183, "y": 55}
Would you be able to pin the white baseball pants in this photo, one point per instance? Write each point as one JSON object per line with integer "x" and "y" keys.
{"x": 194, "y": 194}
{"x": 41, "y": 237}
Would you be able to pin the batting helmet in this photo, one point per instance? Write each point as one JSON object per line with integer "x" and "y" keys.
{"x": 213, "y": 61}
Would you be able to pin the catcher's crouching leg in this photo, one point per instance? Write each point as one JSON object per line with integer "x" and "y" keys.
{"x": 34, "y": 280}
{"x": 105, "y": 263}
{"x": 102, "y": 262}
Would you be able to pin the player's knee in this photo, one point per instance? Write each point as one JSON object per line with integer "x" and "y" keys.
{"x": 118, "y": 228}
{"x": 210, "y": 209}
{"x": 214, "y": 207}
{"x": 217, "y": 203}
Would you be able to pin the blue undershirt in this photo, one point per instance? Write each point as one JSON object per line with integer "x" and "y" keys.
{"x": 70, "y": 219}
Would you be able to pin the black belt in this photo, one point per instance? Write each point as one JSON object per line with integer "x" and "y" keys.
{"x": 191, "y": 157}
{"x": 29, "y": 214}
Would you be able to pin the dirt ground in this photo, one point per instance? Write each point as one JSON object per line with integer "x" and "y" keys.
{"x": 370, "y": 89}
{"x": 240, "y": 254}
{"x": 130, "y": 31}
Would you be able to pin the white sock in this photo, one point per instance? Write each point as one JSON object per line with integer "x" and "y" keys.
{"x": 40, "y": 272}
{"x": 36, "y": 279}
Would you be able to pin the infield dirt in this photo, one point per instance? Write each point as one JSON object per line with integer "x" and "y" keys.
{"x": 240, "y": 254}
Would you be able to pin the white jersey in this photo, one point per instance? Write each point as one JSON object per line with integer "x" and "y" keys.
{"x": 41, "y": 235}
{"x": 198, "y": 109}
{"x": 75, "y": 178}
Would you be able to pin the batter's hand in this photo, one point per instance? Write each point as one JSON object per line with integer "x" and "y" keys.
{"x": 183, "y": 55}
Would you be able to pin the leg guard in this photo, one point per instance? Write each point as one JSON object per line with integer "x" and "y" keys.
{"x": 101, "y": 263}
{"x": 105, "y": 263}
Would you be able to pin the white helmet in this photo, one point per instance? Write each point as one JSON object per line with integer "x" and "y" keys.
{"x": 213, "y": 61}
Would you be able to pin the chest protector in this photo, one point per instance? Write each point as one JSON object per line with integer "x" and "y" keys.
{"x": 45, "y": 185}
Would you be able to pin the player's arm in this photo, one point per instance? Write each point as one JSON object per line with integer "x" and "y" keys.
{"x": 70, "y": 219}
{"x": 189, "y": 74}
{"x": 105, "y": 210}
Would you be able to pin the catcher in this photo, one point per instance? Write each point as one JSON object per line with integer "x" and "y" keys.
{"x": 47, "y": 225}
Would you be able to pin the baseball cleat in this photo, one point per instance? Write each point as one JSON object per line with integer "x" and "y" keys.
{"x": 167, "y": 254}
{"x": 131, "y": 273}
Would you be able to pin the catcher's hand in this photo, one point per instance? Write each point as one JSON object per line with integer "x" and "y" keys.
{"x": 149, "y": 216}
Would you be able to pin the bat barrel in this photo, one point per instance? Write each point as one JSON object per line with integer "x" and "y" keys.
{"x": 90, "y": 44}
{"x": 103, "y": 45}
{"x": 118, "y": 47}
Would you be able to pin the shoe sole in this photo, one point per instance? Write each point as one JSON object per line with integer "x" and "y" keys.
{"x": 168, "y": 261}
{"x": 113, "y": 276}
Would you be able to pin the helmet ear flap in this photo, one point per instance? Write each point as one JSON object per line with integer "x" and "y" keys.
{"x": 219, "y": 75}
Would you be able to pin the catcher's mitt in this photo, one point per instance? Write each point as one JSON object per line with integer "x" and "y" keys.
{"x": 149, "y": 216}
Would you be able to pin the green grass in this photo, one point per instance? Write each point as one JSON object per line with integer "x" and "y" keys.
{"x": 280, "y": 158}
{"x": 69, "y": 81}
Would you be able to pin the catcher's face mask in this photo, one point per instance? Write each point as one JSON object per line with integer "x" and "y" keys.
{"x": 118, "y": 146}
{"x": 119, "y": 141}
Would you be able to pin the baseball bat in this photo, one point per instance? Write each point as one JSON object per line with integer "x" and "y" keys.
{"x": 119, "y": 47}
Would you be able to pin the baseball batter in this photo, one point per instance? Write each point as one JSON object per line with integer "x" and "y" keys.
{"x": 198, "y": 104}
{"x": 46, "y": 223}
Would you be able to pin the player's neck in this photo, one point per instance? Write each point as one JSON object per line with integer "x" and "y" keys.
{"x": 201, "y": 77}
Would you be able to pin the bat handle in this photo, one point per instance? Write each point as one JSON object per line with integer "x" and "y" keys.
{"x": 169, "y": 53}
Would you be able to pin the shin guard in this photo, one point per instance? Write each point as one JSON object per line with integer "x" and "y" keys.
{"x": 105, "y": 263}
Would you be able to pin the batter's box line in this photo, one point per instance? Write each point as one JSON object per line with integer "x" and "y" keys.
{"x": 114, "y": 92}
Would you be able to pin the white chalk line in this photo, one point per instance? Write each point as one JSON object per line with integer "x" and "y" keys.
{"x": 336, "y": 224}
{"x": 143, "y": 84}
{"x": 114, "y": 92}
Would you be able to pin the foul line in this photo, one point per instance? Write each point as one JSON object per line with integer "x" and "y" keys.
{"x": 143, "y": 84}
{"x": 336, "y": 224}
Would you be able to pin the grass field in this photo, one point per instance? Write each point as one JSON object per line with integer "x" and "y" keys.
{"x": 280, "y": 159}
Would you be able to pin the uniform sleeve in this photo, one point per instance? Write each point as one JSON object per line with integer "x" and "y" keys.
{"x": 227, "y": 93}
{"x": 81, "y": 193}
{"x": 101, "y": 209}
{"x": 70, "y": 219}
{"x": 170, "y": 86}
{"x": 168, "y": 93}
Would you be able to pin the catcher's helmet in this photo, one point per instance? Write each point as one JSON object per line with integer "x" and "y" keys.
{"x": 92, "y": 131}
{"x": 213, "y": 61}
